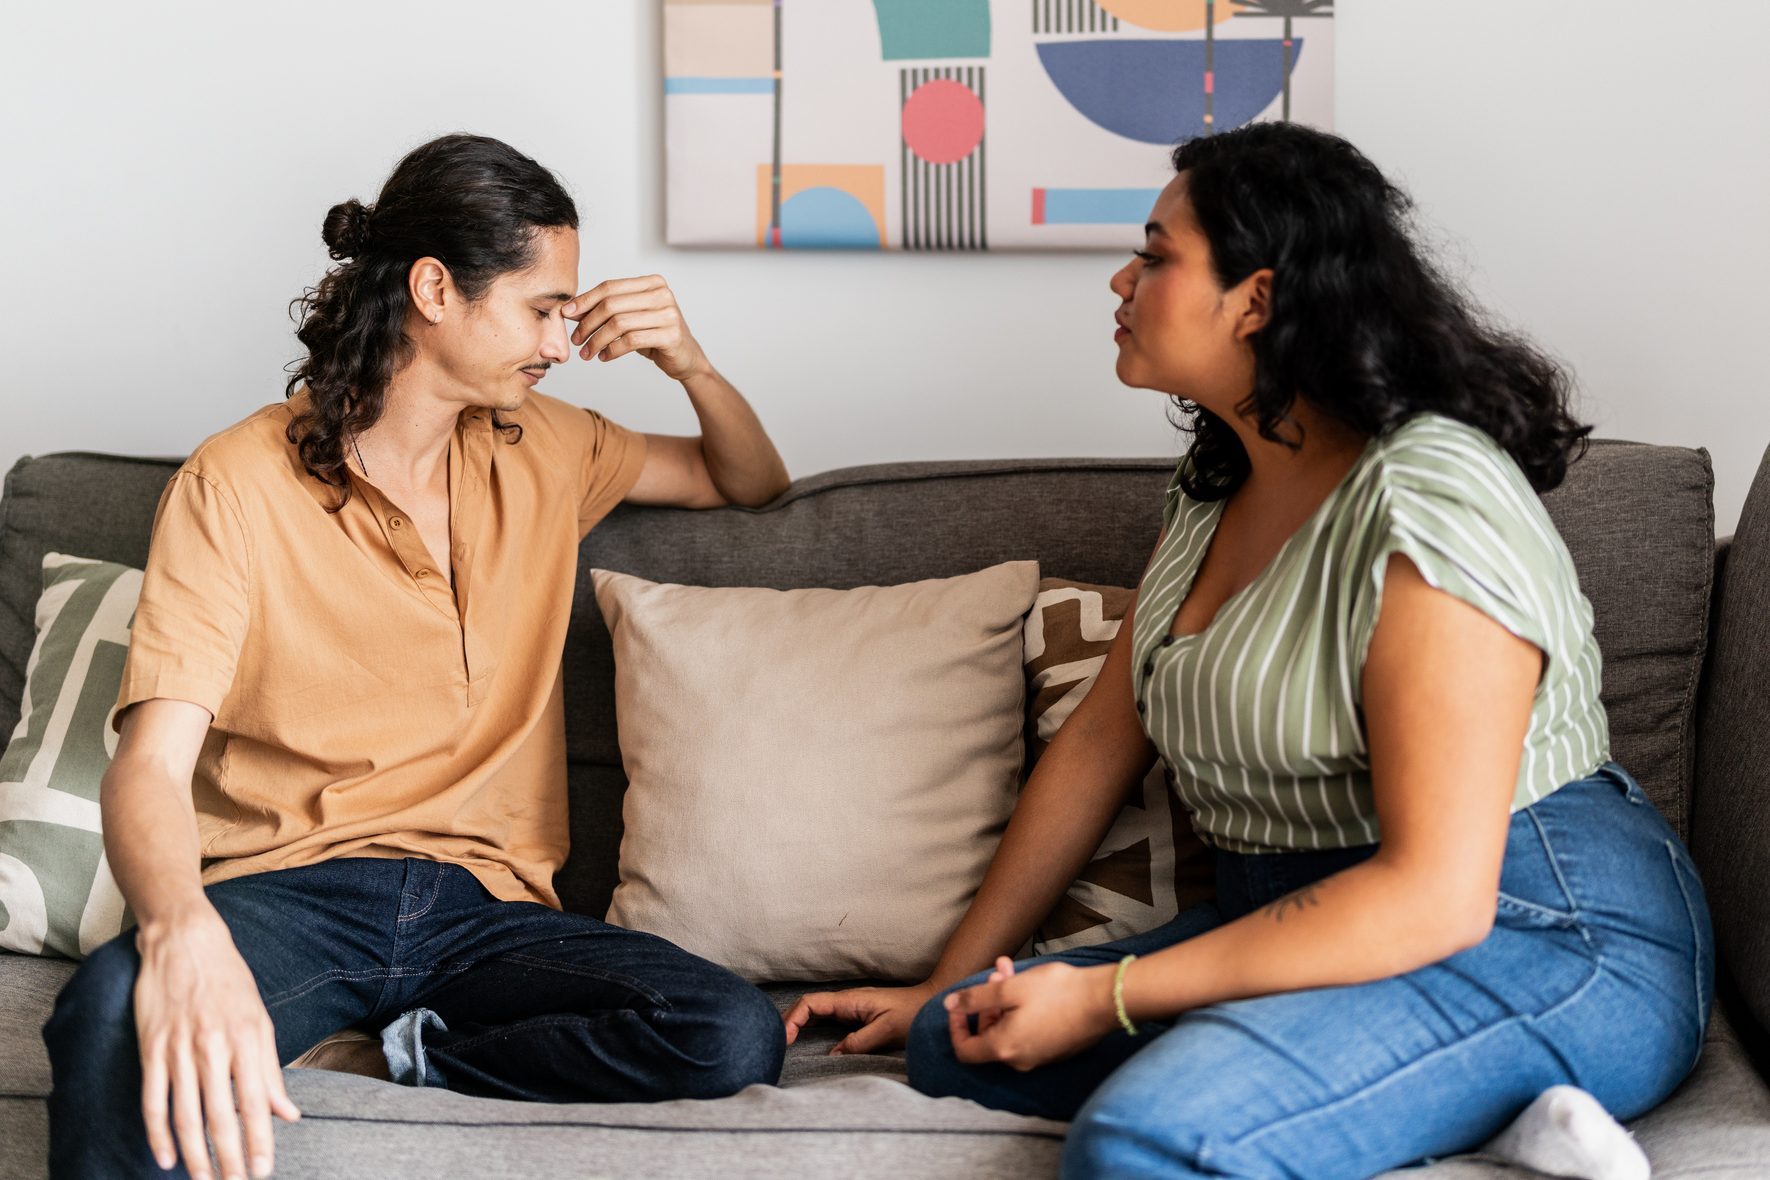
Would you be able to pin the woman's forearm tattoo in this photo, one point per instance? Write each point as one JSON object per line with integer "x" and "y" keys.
{"x": 1302, "y": 899}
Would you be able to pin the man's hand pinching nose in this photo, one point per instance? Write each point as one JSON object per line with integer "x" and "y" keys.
{"x": 618, "y": 316}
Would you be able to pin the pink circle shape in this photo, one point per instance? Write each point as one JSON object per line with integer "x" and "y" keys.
{"x": 943, "y": 121}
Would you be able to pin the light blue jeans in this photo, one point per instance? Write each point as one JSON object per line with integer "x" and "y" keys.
{"x": 1598, "y": 973}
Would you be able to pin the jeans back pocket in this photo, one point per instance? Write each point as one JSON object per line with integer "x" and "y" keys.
{"x": 1515, "y": 911}
{"x": 1533, "y": 892}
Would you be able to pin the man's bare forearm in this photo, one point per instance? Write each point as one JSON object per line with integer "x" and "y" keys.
{"x": 741, "y": 458}
{"x": 150, "y": 836}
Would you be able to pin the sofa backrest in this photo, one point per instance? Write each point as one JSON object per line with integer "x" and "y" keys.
{"x": 1730, "y": 827}
{"x": 84, "y": 505}
{"x": 1638, "y": 520}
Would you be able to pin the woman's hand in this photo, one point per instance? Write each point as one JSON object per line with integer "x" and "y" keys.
{"x": 884, "y": 1014}
{"x": 636, "y": 315}
{"x": 1031, "y": 1019}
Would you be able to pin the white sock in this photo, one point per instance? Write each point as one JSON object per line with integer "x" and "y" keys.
{"x": 1566, "y": 1132}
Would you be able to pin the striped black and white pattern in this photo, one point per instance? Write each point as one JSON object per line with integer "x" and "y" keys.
{"x": 1072, "y": 16}
{"x": 1257, "y": 716}
{"x": 943, "y": 204}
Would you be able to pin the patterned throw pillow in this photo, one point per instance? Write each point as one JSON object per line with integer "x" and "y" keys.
{"x": 1150, "y": 866}
{"x": 57, "y": 895}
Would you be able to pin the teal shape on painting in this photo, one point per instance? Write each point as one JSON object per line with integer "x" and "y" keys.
{"x": 932, "y": 28}
{"x": 826, "y": 218}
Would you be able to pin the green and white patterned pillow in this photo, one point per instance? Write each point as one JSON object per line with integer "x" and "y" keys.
{"x": 57, "y": 896}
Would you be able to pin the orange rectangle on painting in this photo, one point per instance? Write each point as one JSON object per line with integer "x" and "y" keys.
{"x": 864, "y": 182}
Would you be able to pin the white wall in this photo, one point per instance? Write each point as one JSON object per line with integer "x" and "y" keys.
{"x": 1599, "y": 170}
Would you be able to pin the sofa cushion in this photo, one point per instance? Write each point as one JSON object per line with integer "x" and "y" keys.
{"x": 845, "y": 1116}
{"x": 97, "y": 506}
{"x": 1731, "y": 840}
{"x": 1639, "y": 521}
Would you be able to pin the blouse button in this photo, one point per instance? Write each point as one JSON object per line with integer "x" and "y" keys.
{"x": 423, "y": 574}
{"x": 1167, "y": 640}
{"x": 1141, "y": 706}
{"x": 1149, "y": 666}
{"x": 394, "y": 522}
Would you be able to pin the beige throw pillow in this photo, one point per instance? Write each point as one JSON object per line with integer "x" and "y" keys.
{"x": 817, "y": 778}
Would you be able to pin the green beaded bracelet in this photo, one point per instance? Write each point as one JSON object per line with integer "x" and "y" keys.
{"x": 1118, "y": 995}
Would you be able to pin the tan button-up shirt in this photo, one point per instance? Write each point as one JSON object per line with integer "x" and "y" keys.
{"x": 362, "y": 705}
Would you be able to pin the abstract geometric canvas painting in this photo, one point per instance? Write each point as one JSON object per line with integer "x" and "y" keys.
{"x": 963, "y": 124}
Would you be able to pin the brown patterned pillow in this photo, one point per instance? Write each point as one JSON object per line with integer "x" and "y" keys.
{"x": 1150, "y": 866}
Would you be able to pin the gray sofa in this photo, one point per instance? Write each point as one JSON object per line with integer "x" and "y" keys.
{"x": 1684, "y": 626}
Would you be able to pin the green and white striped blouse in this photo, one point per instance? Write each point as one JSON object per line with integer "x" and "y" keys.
{"x": 1259, "y": 716}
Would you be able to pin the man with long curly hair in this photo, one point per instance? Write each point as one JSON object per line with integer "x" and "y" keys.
{"x": 340, "y": 785}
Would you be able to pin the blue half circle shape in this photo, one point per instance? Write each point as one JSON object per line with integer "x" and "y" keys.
{"x": 825, "y": 218}
{"x": 1153, "y": 91}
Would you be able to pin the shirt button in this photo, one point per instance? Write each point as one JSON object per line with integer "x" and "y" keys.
{"x": 1167, "y": 640}
{"x": 394, "y": 522}
{"x": 1141, "y": 706}
{"x": 423, "y": 573}
{"x": 1149, "y": 666}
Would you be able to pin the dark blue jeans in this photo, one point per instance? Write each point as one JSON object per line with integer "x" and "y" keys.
{"x": 538, "y": 1004}
{"x": 1598, "y": 973}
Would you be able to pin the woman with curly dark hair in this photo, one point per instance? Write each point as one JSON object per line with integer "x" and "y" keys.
{"x": 1361, "y": 651}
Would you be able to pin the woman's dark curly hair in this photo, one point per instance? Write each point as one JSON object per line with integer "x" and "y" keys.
{"x": 470, "y": 202}
{"x": 1362, "y": 325}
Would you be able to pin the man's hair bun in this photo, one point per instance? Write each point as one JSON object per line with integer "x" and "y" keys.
{"x": 346, "y": 231}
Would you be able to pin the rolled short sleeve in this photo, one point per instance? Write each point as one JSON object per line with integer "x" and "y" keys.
{"x": 1477, "y": 546}
{"x": 195, "y": 601}
{"x": 612, "y": 458}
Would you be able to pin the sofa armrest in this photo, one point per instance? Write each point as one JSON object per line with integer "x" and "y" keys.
{"x": 1730, "y": 810}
